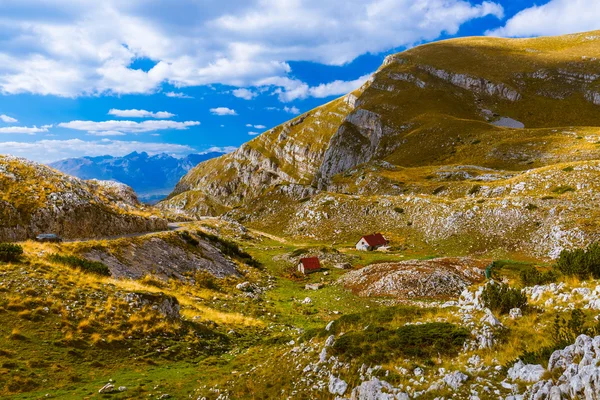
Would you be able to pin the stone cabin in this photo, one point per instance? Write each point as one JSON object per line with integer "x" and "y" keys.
{"x": 309, "y": 265}
{"x": 372, "y": 242}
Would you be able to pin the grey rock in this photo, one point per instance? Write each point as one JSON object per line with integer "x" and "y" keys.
{"x": 337, "y": 386}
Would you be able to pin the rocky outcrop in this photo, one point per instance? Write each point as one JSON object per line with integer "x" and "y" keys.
{"x": 474, "y": 84}
{"x": 437, "y": 279}
{"x": 164, "y": 256}
{"x": 577, "y": 368}
{"x": 167, "y": 305}
{"x": 37, "y": 199}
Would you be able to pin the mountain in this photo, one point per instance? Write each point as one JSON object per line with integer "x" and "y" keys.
{"x": 485, "y": 144}
{"x": 36, "y": 199}
{"x": 152, "y": 177}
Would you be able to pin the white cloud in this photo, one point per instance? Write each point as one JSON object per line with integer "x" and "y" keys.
{"x": 7, "y": 119}
{"x": 293, "y": 90}
{"x": 22, "y": 130}
{"x": 140, "y": 114}
{"x": 291, "y": 110}
{"x": 52, "y": 150}
{"x": 222, "y": 111}
{"x": 253, "y": 133}
{"x": 255, "y": 126}
{"x": 67, "y": 48}
{"x": 107, "y": 133}
{"x": 111, "y": 128}
{"x": 225, "y": 149}
{"x": 178, "y": 95}
{"x": 245, "y": 94}
{"x": 553, "y": 18}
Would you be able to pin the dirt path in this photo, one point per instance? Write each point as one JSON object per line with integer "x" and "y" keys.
{"x": 265, "y": 234}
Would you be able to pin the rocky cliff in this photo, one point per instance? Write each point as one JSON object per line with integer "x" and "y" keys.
{"x": 36, "y": 199}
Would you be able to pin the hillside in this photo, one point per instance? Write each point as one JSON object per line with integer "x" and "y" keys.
{"x": 152, "y": 177}
{"x": 36, "y": 199}
{"x": 482, "y": 143}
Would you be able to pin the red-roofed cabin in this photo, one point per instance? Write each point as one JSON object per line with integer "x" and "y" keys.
{"x": 371, "y": 242}
{"x": 309, "y": 265}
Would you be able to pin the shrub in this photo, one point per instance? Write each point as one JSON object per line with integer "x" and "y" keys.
{"x": 501, "y": 298}
{"x": 377, "y": 345}
{"x": 563, "y": 189}
{"x": 568, "y": 169}
{"x": 189, "y": 239}
{"x": 531, "y": 207}
{"x": 83, "y": 264}
{"x": 531, "y": 276}
{"x": 230, "y": 249}
{"x": 474, "y": 189}
{"x": 10, "y": 252}
{"x": 399, "y": 210}
{"x": 579, "y": 262}
{"x": 439, "y": 189}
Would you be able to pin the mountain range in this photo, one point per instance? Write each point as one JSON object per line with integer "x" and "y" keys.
{"x": 152, "y": 177}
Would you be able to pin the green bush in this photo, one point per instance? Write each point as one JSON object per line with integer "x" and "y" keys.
{"x": 10, "y": 252}
{"x": 230, "y": 249}
{"x": 531, "y": 276}
{"x": 579, "y": 262}
{"x": 83, "y": 264}
{"x": 501, "y": 298}
{"x": 189, "y": 239}
{"x": 378, "y": 345}
{"x": 399, "y": 210}
{"x": 563, "y": 189}
{"x": 474, "y": 189}
{"x": 439, "y": 189}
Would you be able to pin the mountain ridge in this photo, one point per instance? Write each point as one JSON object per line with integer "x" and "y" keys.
{"x": 509, "y": 105}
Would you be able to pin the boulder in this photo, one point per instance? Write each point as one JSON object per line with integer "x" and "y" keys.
{"x": 526, "y": 372}
{"x": 455, "y": 379}
{"x": 515, "y": 313}
{"x": 337, "y": 386}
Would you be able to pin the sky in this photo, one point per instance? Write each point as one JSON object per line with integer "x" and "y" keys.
{"x": 88, "y": 77}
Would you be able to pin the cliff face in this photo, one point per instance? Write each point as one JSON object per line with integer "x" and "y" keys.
{"x": 36, "y": 199}
{"x": 434, "y": 125}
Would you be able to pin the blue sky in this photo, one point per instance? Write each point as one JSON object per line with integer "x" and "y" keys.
{"x": 83, "y": 77}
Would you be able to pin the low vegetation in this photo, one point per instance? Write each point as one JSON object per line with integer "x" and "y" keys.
{"x": 83, "y": 264}
{"x": 583, "y": 263}
{"x": 376, "y": 345}
{"x": 10, "y": 252}
{"x": 502, "y": 298}
{"x": 229, "y": 248}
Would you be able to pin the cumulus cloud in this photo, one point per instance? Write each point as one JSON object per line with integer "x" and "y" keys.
{"x": 222, "y": 111}
{"x": 140, "y": 114}
{"x": 216, "y": 149}
{"x": 112, "y": 128}
{"x": 68, "y": 49}
{"x": 291, "y": 110}
{"x": 178, "y": 95}
{"x": 245, "y": 94}
{"x": 553, "y": 18}
{"x": 255, "y": 126}
{"x": 293, "y": 89}
{"x": 7, "y": 119}
{"x": 52, "y": 150}
{"x": 23, "y": 130}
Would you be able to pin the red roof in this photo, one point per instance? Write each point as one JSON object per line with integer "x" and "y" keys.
{"x": 310, "y": 263}
{"x": 375, "y": 239}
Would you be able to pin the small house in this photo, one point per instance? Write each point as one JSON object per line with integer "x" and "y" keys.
{"x": 309, "y": 265}
{"x": 371, "y": 242}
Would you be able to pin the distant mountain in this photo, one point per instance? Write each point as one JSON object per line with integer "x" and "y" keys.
{"x": 152, "y": 177}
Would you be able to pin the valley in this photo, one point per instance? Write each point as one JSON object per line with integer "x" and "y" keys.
{"x": 477, "y": 159}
